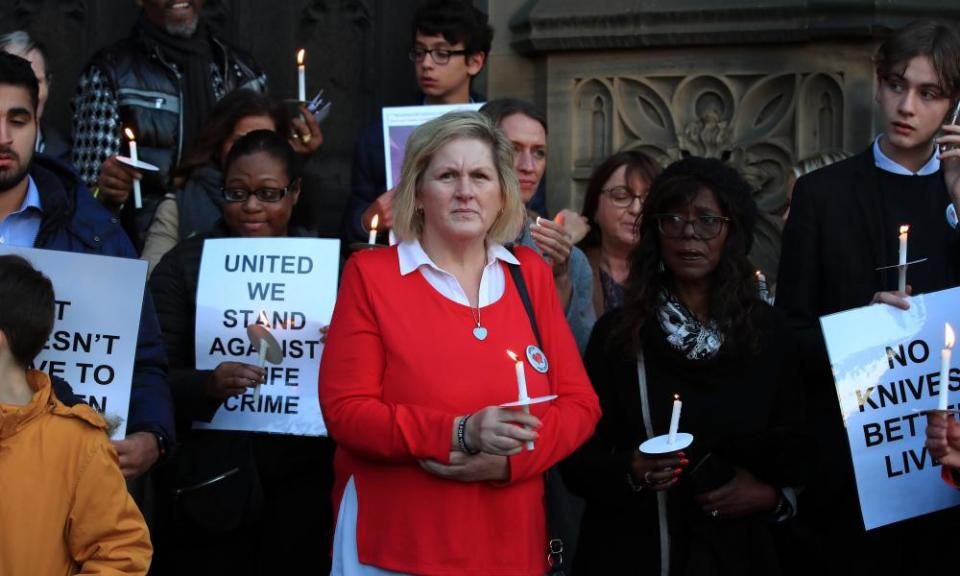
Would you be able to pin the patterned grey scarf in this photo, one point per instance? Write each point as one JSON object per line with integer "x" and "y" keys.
{"x": 685, "y": 333}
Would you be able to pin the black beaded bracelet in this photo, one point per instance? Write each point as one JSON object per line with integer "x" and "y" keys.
{"x": 462, "y": 436}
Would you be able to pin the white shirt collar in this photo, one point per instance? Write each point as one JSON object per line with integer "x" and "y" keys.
{"x": 412, "y": 256}
{"x": 883, "y": 162}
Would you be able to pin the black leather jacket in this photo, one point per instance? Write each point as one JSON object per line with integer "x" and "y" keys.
{"x": 149, "y": 93}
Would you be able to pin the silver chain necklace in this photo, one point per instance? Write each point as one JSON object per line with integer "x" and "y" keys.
{"x": 479, "y": 332}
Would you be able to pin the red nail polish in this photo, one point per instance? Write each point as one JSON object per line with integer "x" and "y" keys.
{"x": 684, "y": 462}
{"x": 677, "y": 471}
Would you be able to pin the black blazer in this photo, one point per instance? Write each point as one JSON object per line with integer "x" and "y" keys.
{"x": 833, "y": 244}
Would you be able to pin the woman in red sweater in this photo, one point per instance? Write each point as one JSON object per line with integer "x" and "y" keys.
{"x": 432, "y": 476}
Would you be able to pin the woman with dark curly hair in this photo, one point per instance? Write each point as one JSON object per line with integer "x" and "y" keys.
{"x": 692, "y": 324}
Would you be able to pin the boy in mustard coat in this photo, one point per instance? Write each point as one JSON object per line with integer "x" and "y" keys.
{"x": 64, "y": 506}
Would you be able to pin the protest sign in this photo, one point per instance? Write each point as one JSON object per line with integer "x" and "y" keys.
{"x": 886, "y": 367}
{"x": 288, "y": 285}
{"x": 95, "y": 329}
{"x": 399, "y": 122}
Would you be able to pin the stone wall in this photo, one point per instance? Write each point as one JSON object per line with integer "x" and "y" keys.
{"x": 759, "y": 84}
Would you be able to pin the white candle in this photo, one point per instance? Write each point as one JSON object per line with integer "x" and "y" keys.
{"x": 521, "y": 388}
{"x": 675, "y": 419}
{"x": 301, "y": 76}
{"x": 137, "y": 197}
{"x": 902, "y": 269}
{"x": 261, "y": 362}
{"x": 372, "y": 239}
{"x": 948, "y": 339}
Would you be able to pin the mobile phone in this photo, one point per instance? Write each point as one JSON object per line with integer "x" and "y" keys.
{"x": 953, "y": 120}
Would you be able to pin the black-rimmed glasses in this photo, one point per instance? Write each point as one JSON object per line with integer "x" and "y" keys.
{"x": 440, "y": 55}
{"x": 262, "y": 194}
{"x": 704, "y": 227}
{"x": 621, "y": 196}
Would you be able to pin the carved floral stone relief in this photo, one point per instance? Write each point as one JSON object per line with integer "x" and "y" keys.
{"x": 758, "y": 123}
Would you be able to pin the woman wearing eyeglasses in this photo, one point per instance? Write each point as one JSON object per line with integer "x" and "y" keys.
{"x": 198, "y": 204}
{"x": 613, "y": 206}
{"x": 526, "y": 127}
{"x": 223, "y": 492}
{"x": 692, "y": 324}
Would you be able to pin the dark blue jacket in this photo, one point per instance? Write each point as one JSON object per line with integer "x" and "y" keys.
{"x": 73, "y": 221}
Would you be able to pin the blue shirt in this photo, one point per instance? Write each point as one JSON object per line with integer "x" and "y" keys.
{"x": 884, "y": 162}
{"x": 20, "y": 228}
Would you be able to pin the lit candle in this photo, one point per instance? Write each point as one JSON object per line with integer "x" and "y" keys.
{"x": 521, "y": 387}
{"x": 948, "y": 339}
{"x": 675, "y": 419}
{"x": 261, "y": 362}
{"x": 137, "y": 198}
{"x": 301, "y": 76}
{"x": 373, "y": 229}
{"x": 902, "y": 268}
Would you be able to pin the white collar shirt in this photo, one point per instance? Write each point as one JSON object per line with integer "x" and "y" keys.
{"x": 492, "y": 282}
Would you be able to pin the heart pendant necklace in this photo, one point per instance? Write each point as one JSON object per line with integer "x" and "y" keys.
{"x": 480, "y": 333}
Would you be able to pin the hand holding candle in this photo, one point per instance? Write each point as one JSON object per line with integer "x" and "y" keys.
{"x": 948, "y": 339}
{"x": 301, "y": 76}
{"x": 521, "y": 388}
{"x": 902, "y": 264}
{"x": 137, "y": 196}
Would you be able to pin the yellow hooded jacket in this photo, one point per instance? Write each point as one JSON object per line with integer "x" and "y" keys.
{"x": 64, "y": 506}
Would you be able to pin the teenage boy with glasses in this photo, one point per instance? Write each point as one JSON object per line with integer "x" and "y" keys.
{"x": 843, "y": 228}
{"x": 451, "y": 40}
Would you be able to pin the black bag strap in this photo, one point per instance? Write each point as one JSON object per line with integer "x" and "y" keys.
{"x": 521, "y": 285}
{"x": 555, "y": 544}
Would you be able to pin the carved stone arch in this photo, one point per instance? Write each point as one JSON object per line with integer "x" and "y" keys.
{"x": 766, "y": 109}
{"x": 703, "y": 108}
{"x": 593, "y": 126}
{"x": 644, "y": 112}
{"x": 820, "y": 115}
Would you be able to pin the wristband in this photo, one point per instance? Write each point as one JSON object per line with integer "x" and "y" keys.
{"x": 462, "y": 436}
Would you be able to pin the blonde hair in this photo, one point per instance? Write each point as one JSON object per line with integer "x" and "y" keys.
{"x": 426, "y": 141}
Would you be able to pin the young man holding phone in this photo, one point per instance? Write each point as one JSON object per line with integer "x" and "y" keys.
{"x": 842, "y": 232}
